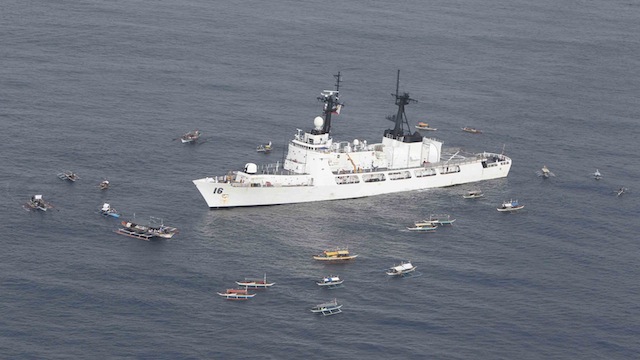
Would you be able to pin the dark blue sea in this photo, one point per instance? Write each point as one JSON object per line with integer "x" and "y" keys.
{"x": 104, "y": 88}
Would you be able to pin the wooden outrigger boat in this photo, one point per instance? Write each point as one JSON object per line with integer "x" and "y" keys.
{"x": 401, "y": 270}
{"x": 545, "y": 173}
{"x": 597, "y": 175}
{"x": 473, "y": 194}
{"x": 37, "y": 203}
{"x": 328, "y": 308}
{"x": 330, "y": 282}
{"x": 423, "y": 226}
{"x": 335, "y": 255}
{"x": 68, "y": 175}
{"x": 264, "y": 148}
{"x": 161, "y": 230}
{"x": 237, "y": 294}
{"x": 191, "y": 136}
{"x": 255, "y": 283}
{"x": 424, "y": 126}
{"x": 135, "y": 234}
{"x": 510, "y": 206}
{"x": 444, "y": 219}
{"x": 471, "y": 130}
{"x": 107, "y": 210}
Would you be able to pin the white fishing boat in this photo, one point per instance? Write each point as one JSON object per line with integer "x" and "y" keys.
{"x": 330, "y": 281}
{"x": 424, "y": 126}
{"x": 621, "y": 191}
{"x": 328, "y": 308}
{"x": 237, "y": 294}
{"x": 264, "y": 148}
{"x": 107, "y": 210}
{"x": 401, "y": 270}
{"x": 190, "y": 137}
{"x": 510, "y": 206}
{"x": 440, "y": 219}
{"x": 104, "y": 185}
{"x": 252, "y": 283}
{"x": 339, "y": 254}
{"x": 68, "y": 175}
{"x": 423, "y": 226}
{"x": 597, "y": 175}
{"x": 473, "y": 194}
{"x": 317, "y": 168}
{"x": 36, "y": 202}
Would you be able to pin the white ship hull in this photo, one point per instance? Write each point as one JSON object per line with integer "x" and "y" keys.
{"x": 219, "y": 193}
{"x": 317, "y": 168}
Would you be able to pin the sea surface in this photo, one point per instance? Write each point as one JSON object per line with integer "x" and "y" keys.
{"x": 104, "y": 88}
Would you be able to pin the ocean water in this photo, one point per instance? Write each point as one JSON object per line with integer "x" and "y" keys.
{"x": 105, "y": 88}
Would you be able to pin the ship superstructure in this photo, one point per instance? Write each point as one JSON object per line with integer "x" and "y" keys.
{"x": 316, "y": 168}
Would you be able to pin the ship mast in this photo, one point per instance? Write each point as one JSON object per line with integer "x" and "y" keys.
{"x": 332, "y": 105}
{"x": 400, "y": 118}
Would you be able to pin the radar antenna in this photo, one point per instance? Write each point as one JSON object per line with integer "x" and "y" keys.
{"x": 400, "y": 118}
{"x": 332, "y": 105}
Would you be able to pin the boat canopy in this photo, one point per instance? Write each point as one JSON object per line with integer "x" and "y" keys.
{"x": 402, "y": 267}
{"x": 337, "y": 252}
{"x": 237, "y": 291}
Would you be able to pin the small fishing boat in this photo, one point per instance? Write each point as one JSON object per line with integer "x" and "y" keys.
{"x": 424, "y": 126}
{"x": 510, "y": 206}
{"x": 423, "y": 226}
{"x": 190, "y": 137}
{"x": 37, "y": 203}
{"x": 401, "y": 270}
{"x": 104, "y": 185}
{"x": 264, "y": 148}
{"x": 330, "y": 281}
{"x": 252, "y": 283}
{"x": 107, "y": 210}
{"x": 335, "y": 255}
{"x": 135, "y": 234}
{"x": 471, "y": 130}
{"x": 160, "y": 230}
{"x": 473, "y": 194}
{"x": 621, "y": 191}
{"x": 68, "y": 175}
{"x": 328, "y": 308}
{"x": 596, "y": 175}
{"x": 545, "y": 173}
{"x": 443, "y": 219}
{"x": 237, "y": 294}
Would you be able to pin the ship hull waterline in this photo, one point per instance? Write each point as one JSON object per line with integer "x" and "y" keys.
{"x": 220, "y": 195}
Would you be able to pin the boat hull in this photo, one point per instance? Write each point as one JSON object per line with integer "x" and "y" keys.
{"x": 251, "y": 285}
{"x": 335, "y": 258}
{"x": 472, "y": 196}
{"x": 403, "y": 273}
{"x": 227, "y": 194}
{"x": 512, "y": 209}
{"x": 422, "y": 228}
